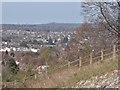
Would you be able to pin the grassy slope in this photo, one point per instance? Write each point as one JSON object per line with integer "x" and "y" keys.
{"x": 70, "y": 77}
{"x": 86, "y": 72}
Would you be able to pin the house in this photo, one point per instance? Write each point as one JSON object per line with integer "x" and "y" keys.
{"x": 5, "y": 49}
{"x": 34, "y": 50}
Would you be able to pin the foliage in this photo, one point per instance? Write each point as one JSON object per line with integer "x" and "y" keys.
{"x": 24, "y": 44}
{"x": 87, "y": 49}
{"x": 50, "y": 41}
{"x": 46, "y": 53}
{"x": 10, "y": 69}
{"x": 36, "y": 42}
{"x": 30, "y": 71}
{"x": 12, "y": 66}
{"x": 32, "y": 53}
{"x": 65, "y": 39}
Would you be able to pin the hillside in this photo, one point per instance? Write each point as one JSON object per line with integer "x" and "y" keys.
{"x": 72, "y": 73}
{"x": 42, "y": 27}
{"x": 108, "y": 80}
{"x": 75, "y": 76}
{"x": 105, "y": 72}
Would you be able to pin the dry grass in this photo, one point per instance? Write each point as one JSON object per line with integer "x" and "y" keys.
{"x": 86, "y": 72}
{"x": 53, "y": 80}
{"x": 69, "y": 77}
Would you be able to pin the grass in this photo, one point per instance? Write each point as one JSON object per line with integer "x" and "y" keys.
{"x": 18, "y": 80}
{"x": 86, "y": 72}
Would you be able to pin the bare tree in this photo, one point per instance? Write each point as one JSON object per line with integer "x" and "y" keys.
{"x": 87, "y": 38}
{"x": 119, "y": 24}
{"x": 105, "y": 12}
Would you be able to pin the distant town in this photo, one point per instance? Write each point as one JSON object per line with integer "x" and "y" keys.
{"x": 33, "y": 37}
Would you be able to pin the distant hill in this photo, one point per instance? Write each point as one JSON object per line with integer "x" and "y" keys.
{"x": 42, "y": 27}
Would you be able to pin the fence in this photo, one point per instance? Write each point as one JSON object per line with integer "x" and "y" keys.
{"x": 104, "y": 54}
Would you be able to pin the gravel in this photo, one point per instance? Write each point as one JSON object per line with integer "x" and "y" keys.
{"x": 108, "y": 80}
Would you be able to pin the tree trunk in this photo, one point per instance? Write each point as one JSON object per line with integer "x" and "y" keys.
{"x": 119, "y": 36}
{"x": 118, "y": 24}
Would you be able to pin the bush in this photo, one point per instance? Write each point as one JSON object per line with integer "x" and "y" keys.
{"x": 12, "y": 66}
{"x": 30, "y": 72}
{"x": 23, "y": 44}
{"x": 9, "y": 70}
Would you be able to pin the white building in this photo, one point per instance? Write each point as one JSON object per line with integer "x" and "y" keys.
{"x": 5, "y": 49}
{"x": 34, "y": 50}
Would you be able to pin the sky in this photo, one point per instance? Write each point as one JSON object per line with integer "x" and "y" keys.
{"x": 41, "y": 12}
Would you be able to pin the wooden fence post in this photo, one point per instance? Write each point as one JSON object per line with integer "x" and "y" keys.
{"x": 46, "y": 72}
{"x": 114, "y": 52}
{"x": 80, "y": 62}
{"x": 102, "y": 55}
{"x": 35, "y": 76}
{"x": 68, "y": 64}
{"x": 91, "y": 57}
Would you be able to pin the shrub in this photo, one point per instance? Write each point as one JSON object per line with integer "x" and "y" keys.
{"x": 9, "y": 70}
{"x": 12, "y": 66}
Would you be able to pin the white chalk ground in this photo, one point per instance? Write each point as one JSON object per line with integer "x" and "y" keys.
{"x": 108, "y": 80}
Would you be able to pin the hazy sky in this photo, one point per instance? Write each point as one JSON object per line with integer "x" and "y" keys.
{"x": 41, "y": 12}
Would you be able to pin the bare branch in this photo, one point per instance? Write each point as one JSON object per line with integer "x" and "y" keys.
{"x": 112, "y": 27}
{"x": 118, "y": 4}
